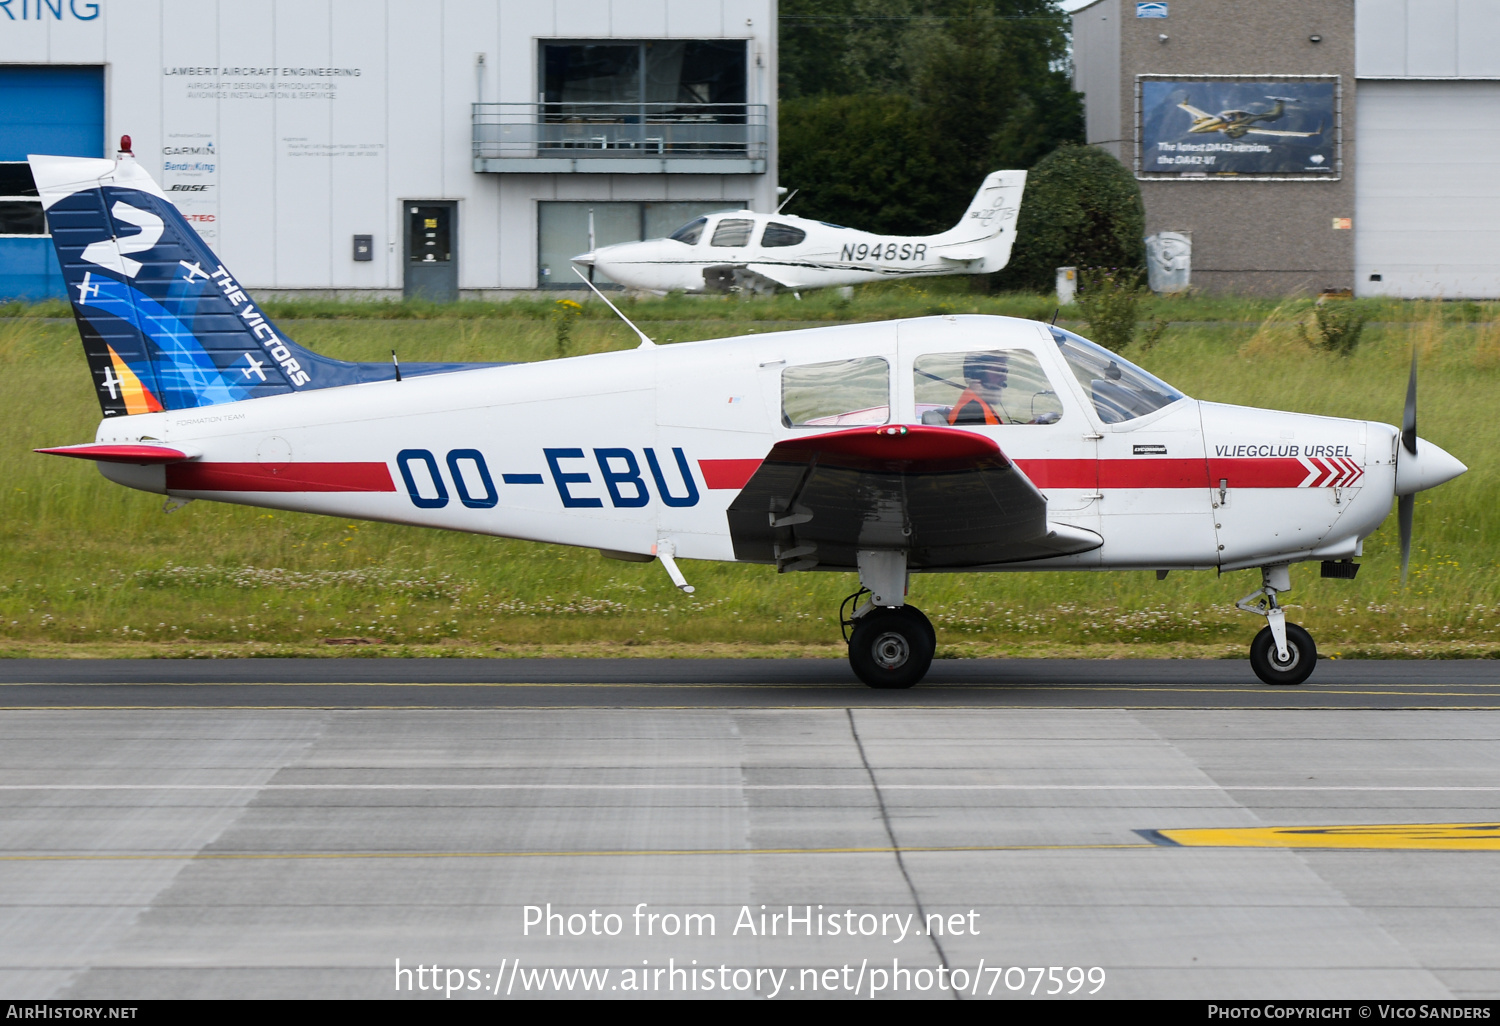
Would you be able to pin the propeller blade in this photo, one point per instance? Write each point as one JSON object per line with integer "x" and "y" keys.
{"x": 1409, "y": 416}
{"x": 1405, "y": 506}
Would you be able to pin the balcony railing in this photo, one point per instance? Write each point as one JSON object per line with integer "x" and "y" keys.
{"x": 621, "y": 138}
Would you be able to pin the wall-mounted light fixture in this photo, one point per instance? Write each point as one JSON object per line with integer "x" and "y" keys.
{"x": 1163, "y": 37}
{"x": 1314, "y": 38}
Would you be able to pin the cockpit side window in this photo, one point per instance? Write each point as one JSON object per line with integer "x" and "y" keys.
{"x": 733, "y": 231}
{"x": 777, "y": 234}
{"x": 839, "y": 393}
{"x": 690, "y": 233}
{"x": 1119, "y": 390}
{"x": 1000, "y": 386}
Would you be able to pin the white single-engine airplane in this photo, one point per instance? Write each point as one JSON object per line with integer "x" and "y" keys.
{"x": 936, "y": 445}
{"x": 748, "y": 252}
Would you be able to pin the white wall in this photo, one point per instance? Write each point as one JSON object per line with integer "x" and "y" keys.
{"x": 1427, "y": 38}
{"x": 302, "y": 163}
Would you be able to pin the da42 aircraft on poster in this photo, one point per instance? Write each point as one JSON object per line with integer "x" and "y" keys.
{"x": 936, "y": 445}
{"x": 751, "y": 252}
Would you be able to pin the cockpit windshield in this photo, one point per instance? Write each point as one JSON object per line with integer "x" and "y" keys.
{"x": 690, "y": 233}
{"x": 1119, "y": 390}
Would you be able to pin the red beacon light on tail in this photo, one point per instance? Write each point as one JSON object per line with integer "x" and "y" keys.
{"x": 125, "y": 146}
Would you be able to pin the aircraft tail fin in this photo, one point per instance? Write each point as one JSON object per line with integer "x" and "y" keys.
{"x": 982, "y": 240}
{"x": 165, "y": 325}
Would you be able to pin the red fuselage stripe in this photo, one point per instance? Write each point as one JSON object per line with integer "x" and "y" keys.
{"x": 285, "y": 477}
{"x": 1091, "y": 474}
{"x": 728, "y": 473}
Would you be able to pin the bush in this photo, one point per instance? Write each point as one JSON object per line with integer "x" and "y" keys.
{"x": 1081, "y": 208}
{"x": 1108, "y": 298}
{"x": 1336, "y": 328}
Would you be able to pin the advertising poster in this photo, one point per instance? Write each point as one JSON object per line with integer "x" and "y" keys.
{"x": 1237, "y": 126}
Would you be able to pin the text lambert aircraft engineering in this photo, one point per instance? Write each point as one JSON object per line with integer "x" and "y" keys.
{"x": 934, "y": 445}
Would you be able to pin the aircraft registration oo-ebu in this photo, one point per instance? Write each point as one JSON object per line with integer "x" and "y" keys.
{"x": 934, "y": 445}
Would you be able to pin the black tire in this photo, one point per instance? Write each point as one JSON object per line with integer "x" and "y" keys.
{"x": 891, "y": 648}
{"x": 1302, "y": 656}
{"x": 920, "y": 617}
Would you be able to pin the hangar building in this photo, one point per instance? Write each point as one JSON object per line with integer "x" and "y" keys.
{"x": 382, "y": 147}
{"x": 1305, "y": 145}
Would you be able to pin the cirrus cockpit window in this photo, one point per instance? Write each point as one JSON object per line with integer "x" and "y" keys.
{"x": 690, "y": 233}
{"x": 733, "y": 231}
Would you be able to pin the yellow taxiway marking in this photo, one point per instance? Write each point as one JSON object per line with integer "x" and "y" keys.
{"x": 626, "y": 852}
{"x": 1425, "y": 836}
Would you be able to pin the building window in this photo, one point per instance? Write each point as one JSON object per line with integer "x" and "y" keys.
{"x": 563, "y": 231}
{"x": 671, "y": 72}
{"x": 20, "y": 206}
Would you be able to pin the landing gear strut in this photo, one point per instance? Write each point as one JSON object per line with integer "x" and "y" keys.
{"x": 1282, "y": 653}
{"x": 891, "y": 644}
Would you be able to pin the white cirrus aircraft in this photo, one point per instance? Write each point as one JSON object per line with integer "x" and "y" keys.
{"x": 935, "y": 445}
{"x": 738, "y": 250}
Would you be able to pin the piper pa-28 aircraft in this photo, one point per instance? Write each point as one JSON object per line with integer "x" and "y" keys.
{"x": 748, "y": 252}
{"x": 935, "y": 445}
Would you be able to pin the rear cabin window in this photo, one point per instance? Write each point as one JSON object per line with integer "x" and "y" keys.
{"x": 690, "y": 233}
{"x": 781, "y": 235}
{"x": 996, "y": 386}
{"x": 1119, "y": 390}
{"x": 840, "y": 393}
{"x": 733, "y": 232}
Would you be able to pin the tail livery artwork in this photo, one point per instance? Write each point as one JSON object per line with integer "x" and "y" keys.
{"x": 933, "y": 445}
{"x": 743, "y": 251}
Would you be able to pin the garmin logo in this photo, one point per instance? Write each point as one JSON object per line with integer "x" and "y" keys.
{"x": 38, "y": 10}
{"x": 174, "y": 151}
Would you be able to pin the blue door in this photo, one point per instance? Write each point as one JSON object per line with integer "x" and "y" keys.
{"x": 52, "y": 110}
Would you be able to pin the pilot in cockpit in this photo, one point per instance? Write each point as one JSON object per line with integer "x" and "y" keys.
{"x": 985, "y": 375}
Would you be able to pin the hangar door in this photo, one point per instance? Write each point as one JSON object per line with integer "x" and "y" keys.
{"x": 1426, "y": 202}
{"x": 55, "y": 110}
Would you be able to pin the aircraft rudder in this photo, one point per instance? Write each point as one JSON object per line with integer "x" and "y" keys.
{"x": 163, "y": 323}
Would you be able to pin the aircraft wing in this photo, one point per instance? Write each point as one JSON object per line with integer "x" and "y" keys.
{"x": 776, "y": 274}
{"x": 1272, "y": 131}
{"x": 1194, "y": 111}
{"x": 962, "y": 257}
{"x": 949, "y": 497}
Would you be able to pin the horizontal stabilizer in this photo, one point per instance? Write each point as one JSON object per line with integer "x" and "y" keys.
{"x": 142, "y": 453}
{"x": 946, "y": 497}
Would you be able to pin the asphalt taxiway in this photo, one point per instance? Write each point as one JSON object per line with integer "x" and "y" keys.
{"x": 270, "y": 828}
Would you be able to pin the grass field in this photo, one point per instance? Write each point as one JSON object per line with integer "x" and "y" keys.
{"x": 91, "y": 569}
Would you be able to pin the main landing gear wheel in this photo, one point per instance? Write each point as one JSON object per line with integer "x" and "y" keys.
{"x": 892, "y": 648}
{"x": 1301, "y": 656}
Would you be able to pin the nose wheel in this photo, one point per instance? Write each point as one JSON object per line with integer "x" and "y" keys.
{"x": 1282, "y": 653}
{"x": 1269, "y": 666}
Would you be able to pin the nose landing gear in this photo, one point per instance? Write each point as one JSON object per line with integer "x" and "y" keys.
{"x": 1282, "y": 653}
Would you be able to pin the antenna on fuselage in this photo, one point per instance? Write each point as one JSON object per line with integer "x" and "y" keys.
{"x": 788, "y": 199}
{"x": 646, "y": 342}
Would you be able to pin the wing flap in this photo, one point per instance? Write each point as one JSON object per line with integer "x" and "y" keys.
{"x": 948, "y": 498}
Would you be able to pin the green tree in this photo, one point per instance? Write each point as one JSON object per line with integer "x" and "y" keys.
{"x": 863, "y": 161}
{"x": 1082, "y": 208}
{"x": 962, "y": 87}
